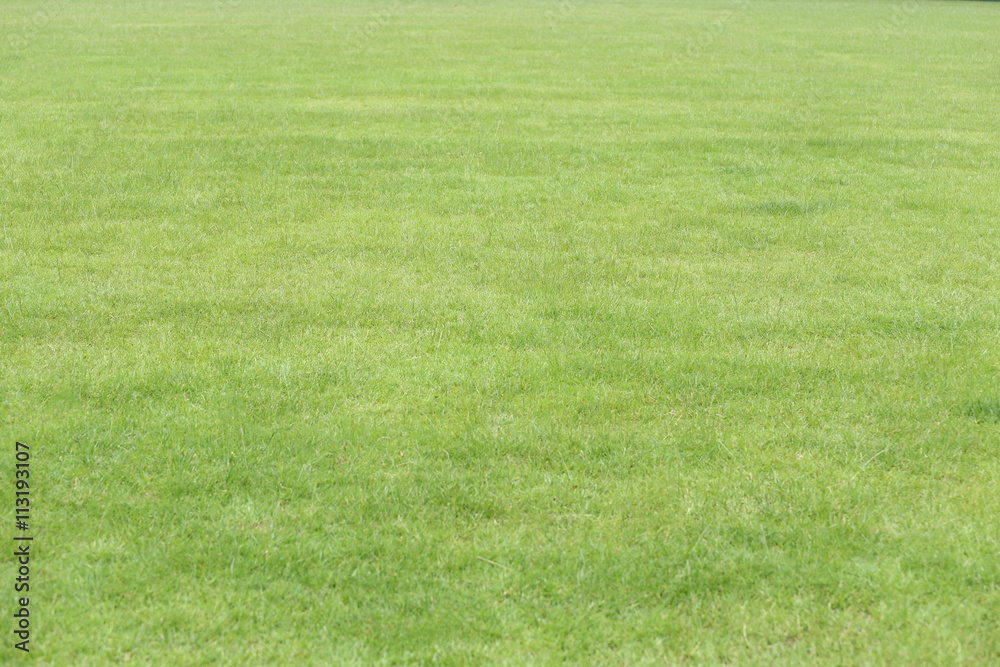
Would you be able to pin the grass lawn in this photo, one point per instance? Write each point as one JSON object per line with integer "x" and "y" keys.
{"x": 502, "y": 332}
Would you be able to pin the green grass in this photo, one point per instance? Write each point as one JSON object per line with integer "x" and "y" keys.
{"x": 503, "y": 332}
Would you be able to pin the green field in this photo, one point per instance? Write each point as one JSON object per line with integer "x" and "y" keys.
{"x": 515, "y": 333}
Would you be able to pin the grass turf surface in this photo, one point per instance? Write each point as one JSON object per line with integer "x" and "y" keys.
{"x": 507, "y": 332}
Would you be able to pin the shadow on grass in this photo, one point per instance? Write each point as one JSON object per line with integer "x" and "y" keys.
{"x": 984, "y": 410}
